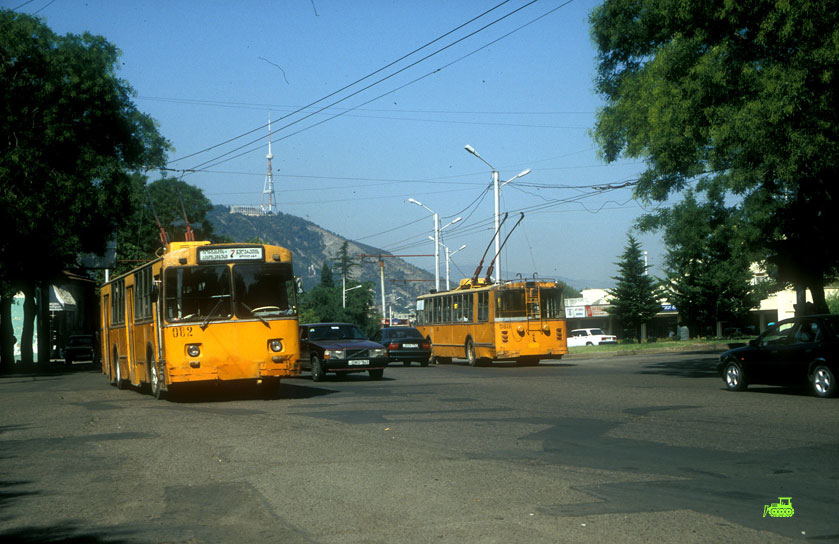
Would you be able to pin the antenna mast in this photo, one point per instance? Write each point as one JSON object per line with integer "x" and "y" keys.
{"x": 269, "y": 204}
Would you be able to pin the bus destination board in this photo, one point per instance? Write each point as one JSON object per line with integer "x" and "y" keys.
{"x": 227, "y": 254}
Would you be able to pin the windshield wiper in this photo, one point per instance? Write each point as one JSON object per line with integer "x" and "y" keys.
{"x": 259, "y": 317}
{"x": 206, "y": 322}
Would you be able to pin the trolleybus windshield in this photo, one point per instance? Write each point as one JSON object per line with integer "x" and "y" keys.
{"x": 197, "y": 293}
{"x": 264, "y": 290}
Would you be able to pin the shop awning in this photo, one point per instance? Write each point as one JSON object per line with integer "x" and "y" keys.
{"x": 61, "y": 300}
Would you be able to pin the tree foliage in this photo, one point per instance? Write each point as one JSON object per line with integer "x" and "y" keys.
{"x": 324, "y": 303}
{"x": 736, "y": 97}
{"x": 345, "y": 264}
{"x": 708, "y": 274}
{"x": 71, "y": 137}
{"x": 635, "y": 298}
{"x": 139, "y": 238}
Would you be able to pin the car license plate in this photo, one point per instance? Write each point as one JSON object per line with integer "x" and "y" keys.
{"x": 410, "y": 345}
{"x": 359, "y": 362}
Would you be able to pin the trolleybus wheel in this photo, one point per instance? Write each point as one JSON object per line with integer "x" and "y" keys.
{"x": 471, "y": 357}
{"x": 154, "y": 379}
{"x": 317, "y": 370}
{"x": 118, "y": 381}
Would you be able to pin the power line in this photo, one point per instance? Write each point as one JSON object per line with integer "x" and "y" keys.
{"x": 220, "y": 159}
{"x": 371, "y": 74}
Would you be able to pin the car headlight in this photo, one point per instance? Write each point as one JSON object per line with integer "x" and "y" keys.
{"x": 378, "y": 353}
{"x": 193, "y": 350}
{"x": 335, "y": 353}
{"x": 275, "y": 345}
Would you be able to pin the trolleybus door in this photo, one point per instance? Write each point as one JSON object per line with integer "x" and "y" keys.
{"x": 129, "y": 325}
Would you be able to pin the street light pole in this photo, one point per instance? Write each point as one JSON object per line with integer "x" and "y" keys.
{"x": 497, "y": 193}
{"x": 448, "y": 260}
{"x": 437, "y": 230}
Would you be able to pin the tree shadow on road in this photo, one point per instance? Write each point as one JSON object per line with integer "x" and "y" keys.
{"x": 64, "y": 533}
{"x": 690, "y": 368}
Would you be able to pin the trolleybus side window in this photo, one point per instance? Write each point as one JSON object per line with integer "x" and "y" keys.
{"x": 483, "y": 306}
{"x": 118, "y": 302}
{"x": 197, "y": 293}
{"x": 142, "y": 294}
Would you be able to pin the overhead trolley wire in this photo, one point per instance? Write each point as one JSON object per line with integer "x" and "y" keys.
{"x": 221, "y": 158}
{"x": 330, "y": 95}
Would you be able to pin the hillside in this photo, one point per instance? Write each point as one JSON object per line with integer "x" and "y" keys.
{"x": 312, "y": 245}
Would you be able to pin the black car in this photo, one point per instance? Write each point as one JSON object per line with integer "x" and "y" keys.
{"x": 339, "y": 347}
{"x": 405, "y": 344}
{"x": 80, "y": 347}
{"x": 794, "y": 351}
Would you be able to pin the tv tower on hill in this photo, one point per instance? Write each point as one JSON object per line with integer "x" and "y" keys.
{"x": 269, "y": 203}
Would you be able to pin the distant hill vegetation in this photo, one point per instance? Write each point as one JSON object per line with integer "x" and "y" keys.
{"x": 312, "y": 246}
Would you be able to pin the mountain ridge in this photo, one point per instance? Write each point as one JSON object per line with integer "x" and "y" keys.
{"x": 311, "y": 246}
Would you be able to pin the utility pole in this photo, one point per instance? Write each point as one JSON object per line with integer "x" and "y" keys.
{"x": 381, "y": 257}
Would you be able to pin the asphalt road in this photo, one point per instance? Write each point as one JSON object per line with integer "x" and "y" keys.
{"x": 621, "y": 449}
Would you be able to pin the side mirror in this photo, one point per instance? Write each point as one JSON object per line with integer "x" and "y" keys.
{"x": 298, "y": 282}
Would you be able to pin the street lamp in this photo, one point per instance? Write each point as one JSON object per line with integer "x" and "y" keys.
{"x": 344, "y": 290}
{"x": 497, "y": 190}
{"x": 437, "y": 230}
{"x": 448, "y": 259}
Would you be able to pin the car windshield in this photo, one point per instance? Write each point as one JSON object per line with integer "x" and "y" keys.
{"x": 336, "y": 332}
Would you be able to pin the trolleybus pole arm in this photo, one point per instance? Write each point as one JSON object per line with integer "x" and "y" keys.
{"x": 164, "y": 238}
{"x": 481, "y": 264}
{"x": 492, "y": 263}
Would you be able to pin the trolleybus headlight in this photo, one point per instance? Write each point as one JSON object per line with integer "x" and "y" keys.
{"x": 193, "y": 350}
{"x": 275, "y": 345}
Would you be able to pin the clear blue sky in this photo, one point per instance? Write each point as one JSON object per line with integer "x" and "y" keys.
{"x": 213, "y": 70}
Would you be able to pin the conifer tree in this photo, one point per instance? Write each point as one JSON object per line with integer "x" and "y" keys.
{"x": 635, "y": 298}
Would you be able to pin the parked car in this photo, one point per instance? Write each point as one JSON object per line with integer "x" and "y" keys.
{"x": 405, "y": 344}
{"x": 590, "y": 337}
{"x": 794, "y": 351}
{"x": 339, "y": 347}
{"x": 80, "y": 347}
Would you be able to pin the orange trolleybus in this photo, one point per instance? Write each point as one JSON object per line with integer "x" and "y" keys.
{"x": 480, "y": 321}
{"x": 202, "y": 312}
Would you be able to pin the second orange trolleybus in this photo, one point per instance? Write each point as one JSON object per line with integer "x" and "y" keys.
{"x": 521, "y": 320}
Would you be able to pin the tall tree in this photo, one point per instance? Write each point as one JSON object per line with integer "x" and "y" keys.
{"x": 733, "y": 96}
{"x": 71, "y": 138}
{"x": 708, "y": 275}
{"x": 635, "y": 298}
{"x": 345, "y": 263}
